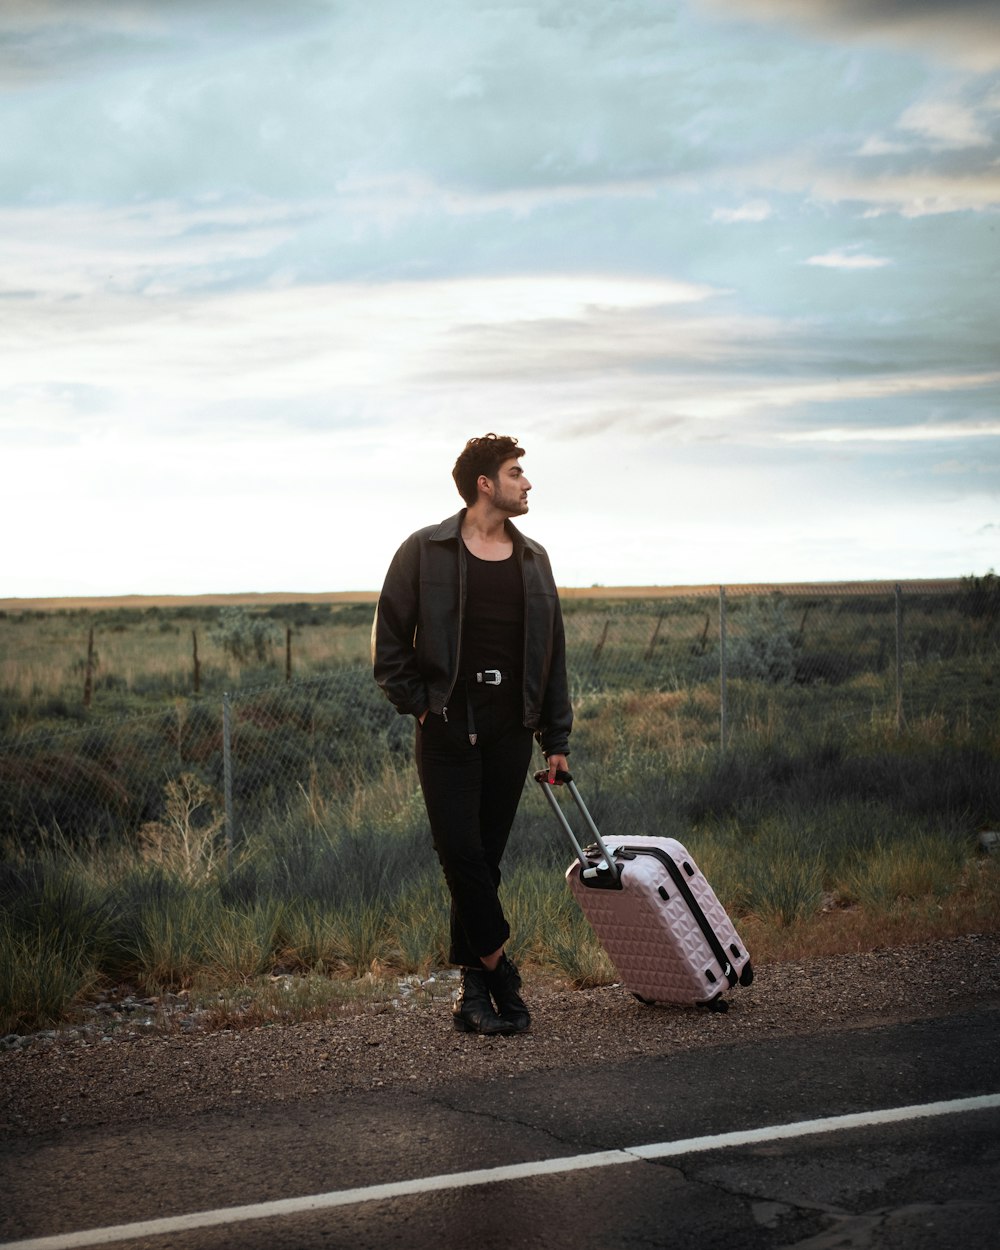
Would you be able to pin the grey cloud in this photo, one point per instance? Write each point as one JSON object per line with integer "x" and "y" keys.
{"x": 71, "y": 40}
{"x": 631, "y": 420}
{"x": 659, "y": 343}
{"x": 964, "y": 30}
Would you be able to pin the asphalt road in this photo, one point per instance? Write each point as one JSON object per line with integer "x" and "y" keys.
{"x": 922, "y": 1182}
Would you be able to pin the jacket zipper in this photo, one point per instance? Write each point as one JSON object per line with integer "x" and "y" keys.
{"x": 519, "y": 556}
{"x": 461, "y": 622}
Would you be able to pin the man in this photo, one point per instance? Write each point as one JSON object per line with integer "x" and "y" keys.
{"x": 468, "y": 639}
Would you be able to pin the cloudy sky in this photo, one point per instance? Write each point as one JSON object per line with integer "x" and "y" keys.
{"x": 727, "y": 268}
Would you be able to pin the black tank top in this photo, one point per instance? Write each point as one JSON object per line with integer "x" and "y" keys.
{"x": 494, "y": 616}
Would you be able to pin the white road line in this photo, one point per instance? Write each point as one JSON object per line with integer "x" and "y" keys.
{"x": 490, "y": 1176}
{"x": 804, "y": 1128}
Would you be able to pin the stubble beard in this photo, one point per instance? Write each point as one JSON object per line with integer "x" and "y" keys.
{"x": 513, "y": 506}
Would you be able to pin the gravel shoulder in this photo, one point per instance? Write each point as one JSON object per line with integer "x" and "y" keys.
{"x": 56, "y": 1085}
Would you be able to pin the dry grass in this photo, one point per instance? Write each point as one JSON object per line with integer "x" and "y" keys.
{"x": 98, "y": 603}
{"x": 186, "y": 840}
{"x": 43, "y": 659}
{"x": 973, "y": 907}
{"x": 269, "y": 1000}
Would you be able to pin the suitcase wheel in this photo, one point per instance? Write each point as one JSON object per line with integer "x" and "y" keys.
{"x": 718, "y": 1004}
{"x": 746, "y": 976}
{"x": 648, "y": 1002}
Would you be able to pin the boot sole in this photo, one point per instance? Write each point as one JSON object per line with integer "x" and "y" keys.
{"x": 463, "y": 1026}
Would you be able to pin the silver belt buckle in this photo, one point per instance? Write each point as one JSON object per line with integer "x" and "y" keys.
{"x": 490, "y": 677}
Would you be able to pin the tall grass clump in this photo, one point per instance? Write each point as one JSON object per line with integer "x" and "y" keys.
{"x": 240, "y": 943}
{"x": 42, "y": 978}
{"x": 784, "y": 890}
{"x": 166, "y": 941}
{"x": 925, "y": 866}
{"x": 359, "y": 936}
{"x": 419, "y": 924}
{"x": 537, "y": 905}
{"x": 307, "y": 937}
{"x": 55, "y": 933}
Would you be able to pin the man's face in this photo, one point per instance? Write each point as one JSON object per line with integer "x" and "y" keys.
{"x": 510, "y": 491}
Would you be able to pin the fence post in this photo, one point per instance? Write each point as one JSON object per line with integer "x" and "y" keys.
{"x": 88, "y": 680}
{"x": 656, "y": 634}
{"x": 227, "y": 776}
{"x": 723, "y": 694}
{"x": 899, "y": 658}
{"x": 196, "y": 661}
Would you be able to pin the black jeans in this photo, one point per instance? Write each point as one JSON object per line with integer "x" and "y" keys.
{"x": 471, "y": 794}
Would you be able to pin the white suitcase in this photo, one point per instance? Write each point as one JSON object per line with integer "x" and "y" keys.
{"x": 653, "y": 911}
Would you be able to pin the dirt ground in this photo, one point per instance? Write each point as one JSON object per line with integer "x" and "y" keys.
{"x": 79, "y": 1078}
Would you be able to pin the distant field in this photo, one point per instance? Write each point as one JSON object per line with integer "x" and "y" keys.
{"x": 272, "y": 598}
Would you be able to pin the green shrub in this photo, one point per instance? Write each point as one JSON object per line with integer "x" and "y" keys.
{"x": 762, "y": 645}
{"x": 245, "y": 637}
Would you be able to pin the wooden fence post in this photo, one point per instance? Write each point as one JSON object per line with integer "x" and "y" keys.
{"x": 227, "y": 777}
{"x": 88, "y": 677}
{"x": 197, "y": 662}
{"x": 599, "y": 645}
{"x": 656, "y": 634}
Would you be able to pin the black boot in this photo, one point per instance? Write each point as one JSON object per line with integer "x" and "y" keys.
{"x": 505, "y": 985}
{"x": 473, "y": 1011}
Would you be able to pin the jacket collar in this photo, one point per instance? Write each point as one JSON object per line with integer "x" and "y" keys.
{"x": 451, "y": 530}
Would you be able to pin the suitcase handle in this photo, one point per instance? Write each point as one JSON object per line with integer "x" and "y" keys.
{"x": 587, "y": 869}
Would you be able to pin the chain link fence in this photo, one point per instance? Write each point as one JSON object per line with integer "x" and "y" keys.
{"x": 823, "y": 658}
{"x": 756, "y": 662}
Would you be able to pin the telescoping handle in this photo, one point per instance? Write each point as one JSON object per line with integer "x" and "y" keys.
{"x": 587, "y": 869}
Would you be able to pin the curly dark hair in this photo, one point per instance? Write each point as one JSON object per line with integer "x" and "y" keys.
{"x": 482, "y": 456}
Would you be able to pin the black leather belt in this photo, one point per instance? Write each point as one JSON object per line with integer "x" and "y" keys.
{"x": 488, "y": 677}
{"x": 492, "y": 677}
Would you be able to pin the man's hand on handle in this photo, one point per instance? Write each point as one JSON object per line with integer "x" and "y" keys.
{"x": 557, "y": 763}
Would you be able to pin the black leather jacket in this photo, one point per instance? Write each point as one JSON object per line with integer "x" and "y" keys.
{"x": 417, "y": 630}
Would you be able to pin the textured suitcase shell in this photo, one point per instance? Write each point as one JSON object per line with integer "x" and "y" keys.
{"x": 649, "y": 931}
